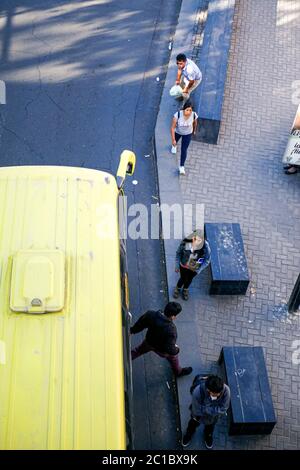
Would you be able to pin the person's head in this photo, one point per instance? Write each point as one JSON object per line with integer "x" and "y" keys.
{"x": 197, "y": 238}
{"x": 187, "y": 108}
{"x": 214, "y": 386}
{"x": 172, "y": 309}
{"x": 181, "y": 61}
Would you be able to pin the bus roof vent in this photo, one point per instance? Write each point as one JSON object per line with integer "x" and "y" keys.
{"x": 38, "y": 281}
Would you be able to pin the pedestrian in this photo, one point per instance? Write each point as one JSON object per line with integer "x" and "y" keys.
{"x": 184, "y": 125}
{"x": 161, "y": 336}
{"x": 210, "y": 400}
{"x": 189, "y": 75}
{"x": 192, "y": 257}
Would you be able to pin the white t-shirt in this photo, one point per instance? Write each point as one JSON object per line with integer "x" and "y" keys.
{"x": 191, "y": 71}
{"x": 185, "y": 126}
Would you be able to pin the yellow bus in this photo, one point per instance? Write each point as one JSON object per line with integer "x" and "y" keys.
{"x": 65, "y": 368}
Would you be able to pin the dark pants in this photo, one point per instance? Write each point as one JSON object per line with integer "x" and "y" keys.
{"x": 186, "y": 277}
{"x": 186, "y": 139}
{"x": 145, "y": 347}
{"x": 193, "y": 425}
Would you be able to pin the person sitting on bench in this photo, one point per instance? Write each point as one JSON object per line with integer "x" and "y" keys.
{"x": 189, "y": 75}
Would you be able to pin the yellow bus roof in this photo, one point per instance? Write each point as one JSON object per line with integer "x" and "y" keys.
{"x": 61, "y": 372}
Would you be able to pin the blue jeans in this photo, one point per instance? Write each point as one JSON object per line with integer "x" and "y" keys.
{"x": 186, "y": 139}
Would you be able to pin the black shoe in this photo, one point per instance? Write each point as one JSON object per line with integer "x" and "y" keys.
{"x": 208, "y": 440}
{"x": 185, "y": 371}
{"x": 186, "y": 440}
{"x": 291, "y": 171}
{"x": 185, "y": 294}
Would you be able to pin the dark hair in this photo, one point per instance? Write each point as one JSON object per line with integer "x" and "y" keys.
{"x": 214, "y": 384}
{"x": 187, "y": 104}
{"x": 172, "y": 309}
{"x": 181, "y": 58}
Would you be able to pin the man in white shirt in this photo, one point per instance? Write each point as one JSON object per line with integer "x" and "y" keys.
{"x": 189, "y": 75}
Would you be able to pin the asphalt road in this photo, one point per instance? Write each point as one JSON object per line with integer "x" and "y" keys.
{"x": 81, "y": 79}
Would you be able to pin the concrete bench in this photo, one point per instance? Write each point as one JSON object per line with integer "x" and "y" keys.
{"x": 251, "y": 409}
{"x": 213, "y": 65}
{"x": 229, "y": 272}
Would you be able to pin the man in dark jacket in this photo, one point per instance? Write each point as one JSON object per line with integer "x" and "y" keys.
{"x": 210, "y": 400}
{"x": 161, "y": 336}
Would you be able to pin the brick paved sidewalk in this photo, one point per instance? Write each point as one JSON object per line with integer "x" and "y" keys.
{"x": 241, "y": 180}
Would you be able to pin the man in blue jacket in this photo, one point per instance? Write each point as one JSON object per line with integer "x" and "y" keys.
{"x": 210, "y": 400}
{"x": 161, "y": 336}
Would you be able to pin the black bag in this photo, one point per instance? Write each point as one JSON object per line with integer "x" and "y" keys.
{"x": 197, "y": 381}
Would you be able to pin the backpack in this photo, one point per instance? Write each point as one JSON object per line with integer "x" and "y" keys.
{"x": 197, "y": 381}
{"x": 178, "y": 115}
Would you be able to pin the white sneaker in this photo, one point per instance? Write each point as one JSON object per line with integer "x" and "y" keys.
{"x": 173, "y": 149}
{"x": 181, "y": 170}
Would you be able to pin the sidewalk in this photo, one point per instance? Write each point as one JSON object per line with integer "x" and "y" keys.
{"x": 241, "y": 180}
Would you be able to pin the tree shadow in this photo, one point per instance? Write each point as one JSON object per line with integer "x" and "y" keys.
{"x": 74, "y": 39}
{"x": 81, "y": 80}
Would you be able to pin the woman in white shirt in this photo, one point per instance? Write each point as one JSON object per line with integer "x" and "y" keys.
{"x": 184, "y": 125}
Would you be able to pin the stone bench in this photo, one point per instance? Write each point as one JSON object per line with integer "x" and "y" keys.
{"x": 213, "y": 65}
{"x": 251, "y": 409}
{"x": 229, "y": 272}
